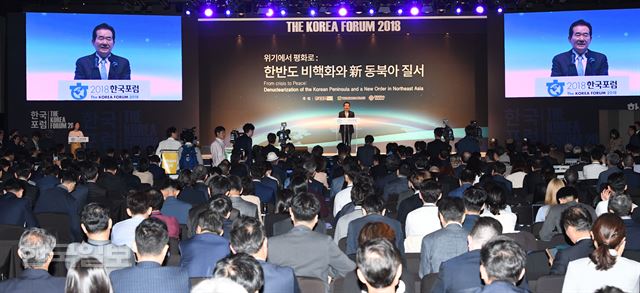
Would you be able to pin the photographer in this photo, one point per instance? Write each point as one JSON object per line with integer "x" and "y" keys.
{"x": 189, "y": 152}
{"x": 243, "y": 144}
{"x": 470, "y": 142}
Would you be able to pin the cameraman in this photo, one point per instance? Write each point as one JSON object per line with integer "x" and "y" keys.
{"x": 189, "y": 152}
{"x": 244, "y": 144}
{"x": 469, "y": 143}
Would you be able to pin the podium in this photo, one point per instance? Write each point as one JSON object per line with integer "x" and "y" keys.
{"x": 348, "y": 121}
{"x": 78, "y": 139}
{"x": 169, "y": 161}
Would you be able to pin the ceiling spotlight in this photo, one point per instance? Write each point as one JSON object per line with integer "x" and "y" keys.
{"x": 479, "y": 9}
{"x": 342, "y": 11}
{"x": 269, "y": 12}
{"x": 283, "y": 12}
{"x": 312, "y": 12}
{"x": 371, "y": 11}
{"x": 188, "y": 12}
{"x": 500, "y": 10}
{"x": 227, "y": 12}
{"x": 208, "y": 12}
{"x": 458, "y": 10}
{"x": 399, "y": 11}
{"x": 414, "y": 11}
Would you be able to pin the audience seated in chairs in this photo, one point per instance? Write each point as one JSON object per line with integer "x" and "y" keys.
{"x": 151, "y": 246}
{"x": 14, "y": 209}
{"x": 616, "y": 184}
{"x": 362, "y": 188}
{"x": 124, "y": 232}
{"x": 424, "y": 220}
{"x": 550, "y": 199}
{"x": 87, "y": 275}
{"x": 373, "y": 207}
{"x": 446, "y": 243}
{"x": 606, "y": 265}
{"x": 497, "y": 208}
{"x": 460, "y": 273}
{"x": 242, "y": 269}
{"x": 200, "y": 253}
{"x": 96, "y": 224}
{"x": 59, "y": 200}
{"x": 473, "y": 199}
{"x": 248, "y": 236}
{"x": 156, "y": 200}
{"x": 577, "y": 222}
{"x": 309, "y": 253}
{"x": 621, "y": 205}
{"x": 502, "y": 265}
{"x": 567, "y": 197}
{"x": 379, "y": 266}
{"x": 172, "y": 206}
{"x": 36, "y": 251}
{"x": 235, "y": 191}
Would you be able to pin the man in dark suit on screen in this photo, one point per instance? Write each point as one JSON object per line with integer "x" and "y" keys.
{"x": 103, "y": 64}
{"x": 580, "y": 61}
{"x": 346, "y": 131}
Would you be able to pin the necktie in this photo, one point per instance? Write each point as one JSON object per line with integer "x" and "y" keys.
{"x": 580, "y": 67}
{"x": 103, "y": 69}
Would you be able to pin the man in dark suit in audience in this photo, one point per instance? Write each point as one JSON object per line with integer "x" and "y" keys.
{"x": 373, "y": 209}
{"x": 613, "y": 159}
{"x": 96, "y": 192}
{"x": 498, "y": 171}
{"x": 31, "y": 191}
{"x": 60, "y": 200}
{"x": 266, "y": 192}
{"x": 502, "y": 265}
{"x": 151, "y": 246}
{"x": 200, "y": 253}
{"x": 398, "y": 185}
{"x": 115, "y": 185}
{"x": 309, "y": 253}
{"x": 248, "y": 236}
{"x": 14, "y": 209}
{"x": 567, "y": 197}
{"x": 36, "y": 251}
{"x": 621, "y": 205}
{"x": 366, "y": 152}
{"x": 534, "y": 178}
{"x": 632, "y": 178}
{"x": 200, "y": 175}
{"x": 49, "y": 180}
{"x": 577, "y": 226}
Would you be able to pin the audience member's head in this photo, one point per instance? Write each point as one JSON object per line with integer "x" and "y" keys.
{"x": 450, "y": 210}
{"x": 235, "y": 185}
{"x": 552, "y": 190}
{"x": 248, "y": 236}
{"x": 613, "y": 159}
{"x": 151, "y": 240}
{"x": 209, "y": 222}
{"x": 474, "y": 199}
{"x": 155, "y": 198}
{"x": 304, "y": 209}
{"x": 373, "y": 230}
{"x": 242, "y": 269}
{"x": 222, "y": 206}
{"x": 609, "y": 289}
{"x": 566, "y": 194}
{"x": 219, "y": 186}
{"x": 620, "y": 205}
{"x": 218, "y": 285}
{"x": 484, "y": 230}
{"x": 430, "y": 191}
{"x": 576, "y": 221}
{"x": 87, "y": 275}
{"x": 170, "y": 188}
{"x": 608, "y": 234}
{"x": 502, "y": 259}
{"x": 95, "y": 221}
{"x": 496, "y": 200}
{"x": 571, "y": 177}
{"x": 616, "y": 182}
{"x": 373, "y": 204}
{"x": 467, "y": 176}
{"x": 138, "y": 204}
{"x": 35, "y": 248}
{"x": 14, "y": 186}
{"x": 379, "y": 264}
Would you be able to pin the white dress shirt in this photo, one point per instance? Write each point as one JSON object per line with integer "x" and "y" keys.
{"x": 342, "y": 199}
{"x": 422, "y": 221}
{"x": 582, "y": 276}
{"x": 217, "y": 152}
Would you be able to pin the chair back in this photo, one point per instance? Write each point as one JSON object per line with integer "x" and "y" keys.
{"x": 311, "y": 285}
{"x": 254, "y": 200}
{"x": 427, "y": 282}
{"x": 537, "y": 265}
{"x": 196, "y": 280}
{"x": 57, "y": 224}
{"x": 525, "y": 239}
{"x": 342, "y": 244}
{"x": 550, "y": 284}
{"x": 413, "y": 263}
{"x": 632, "y": 254}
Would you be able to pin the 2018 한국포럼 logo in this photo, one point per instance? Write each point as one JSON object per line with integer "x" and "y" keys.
{"x": 79, "y": 91}
{"x": 555, "y": 88}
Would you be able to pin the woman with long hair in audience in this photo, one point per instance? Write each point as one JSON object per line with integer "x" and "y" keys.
{"x": 497, "y": 208}
{"x": 605, "y": 265}
{"x": 87, "y": 275}
{"x": 549, "y": 198}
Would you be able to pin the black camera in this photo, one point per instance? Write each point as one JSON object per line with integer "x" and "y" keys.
{"x": 283, "y": 134}
{"x": 448, "y": 131}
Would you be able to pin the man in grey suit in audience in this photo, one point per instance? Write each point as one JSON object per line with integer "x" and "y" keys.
{"x": 309, "y": 253}
{"x": 244, "y": 207}
{"x": 446, "y": 243}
